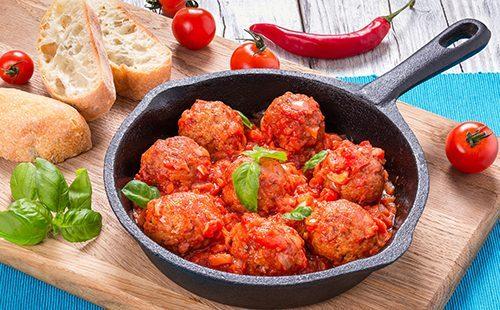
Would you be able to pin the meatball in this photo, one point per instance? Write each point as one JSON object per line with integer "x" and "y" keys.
{"x": 182, "y": 222}
{"x": 330, "y": 142}
{"x": 342, "y": 231}
{"x": 174, "y": 164}
{"x": 277, "y": 185}
{"x": 293, "y": 122}
{"x": 214, "y": 126}
{"x": 352, "y": 172}
{"x": 261, "y": 246}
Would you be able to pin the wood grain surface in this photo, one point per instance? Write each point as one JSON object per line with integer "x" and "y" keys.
{"x": 113, "y": 272}
{"x": 410, "y": 30}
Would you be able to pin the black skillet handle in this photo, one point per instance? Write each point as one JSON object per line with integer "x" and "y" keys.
{"x": 435, "y": 57}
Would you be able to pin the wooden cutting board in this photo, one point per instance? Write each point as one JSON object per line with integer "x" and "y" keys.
{"x": 113, "y": 272}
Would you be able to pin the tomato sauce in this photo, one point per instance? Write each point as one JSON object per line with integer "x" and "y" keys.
{"x": 200, "y": 217}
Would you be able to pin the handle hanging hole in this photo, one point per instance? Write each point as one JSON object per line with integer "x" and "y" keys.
{"x": 458, "y": 35}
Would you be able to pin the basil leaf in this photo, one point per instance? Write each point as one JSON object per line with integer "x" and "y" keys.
{"x": 140, "y": 193}
{"x": 79, "y": 225}
{"x": 259, "y": 152}
{"x": 52, "y": 189}
{"x": 299, "y": 213}
{"x": 80, "y": 191}
{"x": 23, "y": 181}
{"x": 25, "y": 223}
{"x": 246, "y": 184}
{"x": 245, "y": 120}
{"x": 315, "y": 160}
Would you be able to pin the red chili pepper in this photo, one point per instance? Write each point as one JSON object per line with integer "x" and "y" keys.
{"x": 330, "y": 46}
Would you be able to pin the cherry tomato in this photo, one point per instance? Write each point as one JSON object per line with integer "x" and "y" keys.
{"x": 471, "y": 147}
{"x": 170, "y": 7}
{"x": 254, "y": 54}
{"x": 193, "y": 27}
{"x": 16, "y": 67}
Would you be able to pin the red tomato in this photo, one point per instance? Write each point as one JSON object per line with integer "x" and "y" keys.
{"x": 254, "y": 55}
{"x": 471, "y": 147}
{"x": 193, "y": 27}
{"x": 16, "y": 67}
{"x": 170, "y": 7}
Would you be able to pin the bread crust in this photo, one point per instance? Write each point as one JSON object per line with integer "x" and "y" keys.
{"x": 36, "y": 126}
{"x": 135, "y": 84}
{"x": 99, "y": 100}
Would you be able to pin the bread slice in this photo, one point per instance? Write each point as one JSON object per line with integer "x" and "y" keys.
{"x": 36, "y": 126}
{"x": 72, "y": 58}
{"x": 138, "y": 59}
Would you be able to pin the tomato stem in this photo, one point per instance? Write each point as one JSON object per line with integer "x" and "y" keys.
{"x": 13, "y": 69}
{"x": 474, "y": 138}
{"x": 391, "y": 16}
{"x": 191, "y": 4}
{"x": 258, "y": 40}
{"x": 153, "y": 5}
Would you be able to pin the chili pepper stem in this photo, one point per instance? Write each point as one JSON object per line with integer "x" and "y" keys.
{"x": 391, "y": 16}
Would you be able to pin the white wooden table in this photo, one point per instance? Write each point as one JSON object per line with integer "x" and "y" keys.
{"x": 410, "y": 31}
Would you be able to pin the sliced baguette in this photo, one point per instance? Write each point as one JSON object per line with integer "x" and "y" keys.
{"x": 138, "y": 59}
{"x": 72, "y": 58}
{"x": 36, "y": 126}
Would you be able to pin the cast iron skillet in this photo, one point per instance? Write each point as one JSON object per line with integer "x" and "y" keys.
{"x": 361, "y": 112}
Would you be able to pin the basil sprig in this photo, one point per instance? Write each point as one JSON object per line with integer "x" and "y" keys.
{"x": 45, "y": 202}
{"x": 315, "y": 160}
{"x": 299, "y": 213}
{"x": 140, "y": 193}
{"x": 246, "y": 176}
{"x": 245, "y": 120}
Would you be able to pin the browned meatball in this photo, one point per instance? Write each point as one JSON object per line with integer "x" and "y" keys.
{"x": 352, "y": 172}
{"x": 293, "y": 122}
{"x": 277, "y": 184}
{"x": 214, "y": 126}
{"x": 261, "y": 246}
{"x": 342, "y": 231}
{"x": 182, "y": 222}
{"x": 174, "y": 164}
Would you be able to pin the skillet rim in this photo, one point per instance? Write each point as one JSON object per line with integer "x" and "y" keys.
{"x": 398, "y": 246}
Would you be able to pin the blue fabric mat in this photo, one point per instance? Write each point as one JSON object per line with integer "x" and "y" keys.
{"x": 457, "y": 96}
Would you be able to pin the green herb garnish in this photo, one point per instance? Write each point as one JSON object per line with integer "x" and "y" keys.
{"x": 245, "y": 120}
{"x": 78, "y": 225}
{"x": 260, "y": 152}
{"x": 140, "y": 193}
{"x": 315, "y": 160}
{"x": 246, "y": 176}
{"x": 80, "y": 191}
{"x": 23, "y": 181}
{"x": 52, "y": 189}
{"x": 25, "y": 223}
{"x": 45, "y": 202}
{"x": 299, "y": 213}
{"x": 246, "y": 184}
